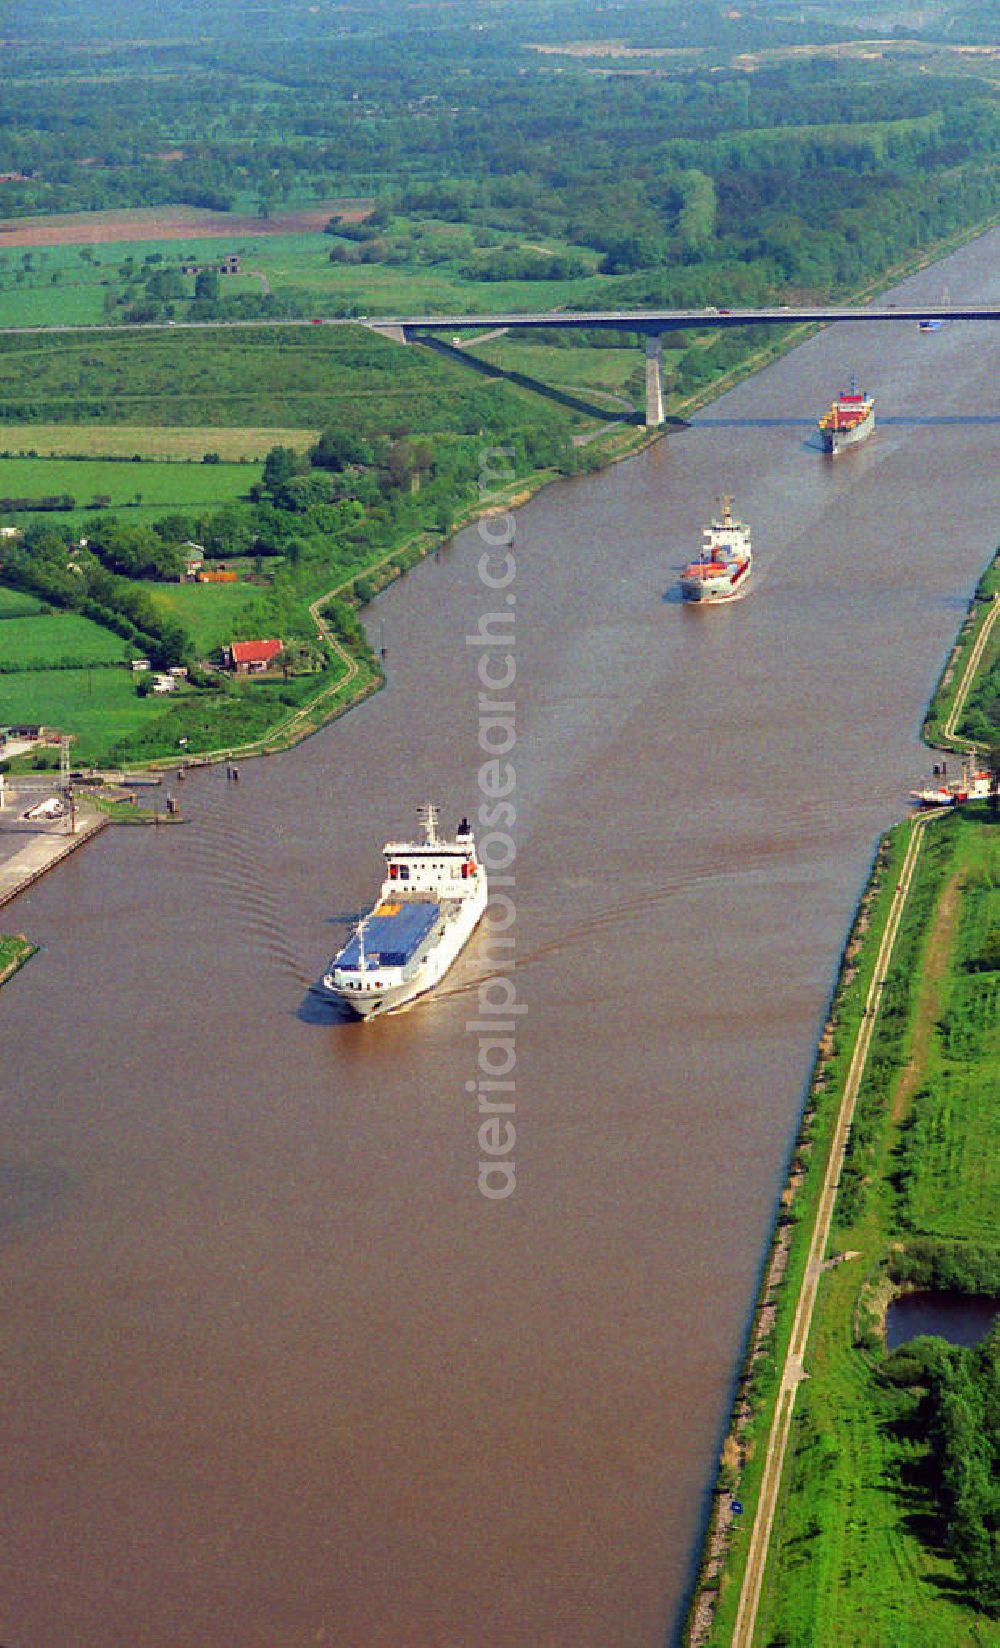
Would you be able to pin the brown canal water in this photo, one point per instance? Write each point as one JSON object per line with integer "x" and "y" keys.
{"x": 275, "y": 1372}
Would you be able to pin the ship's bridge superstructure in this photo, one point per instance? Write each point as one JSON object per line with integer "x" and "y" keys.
{"x": 433, "y": 867}
{"x": 727, "y": 539}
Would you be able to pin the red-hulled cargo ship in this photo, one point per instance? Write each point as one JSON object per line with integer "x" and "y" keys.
{"x": 849, "y": 421}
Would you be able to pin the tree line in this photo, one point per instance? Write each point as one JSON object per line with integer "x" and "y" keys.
{"x": 957, "y": 1417}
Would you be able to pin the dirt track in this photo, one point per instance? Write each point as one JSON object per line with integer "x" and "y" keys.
{"x": 166, "y": 223}
{"x": 793, "y": 1371}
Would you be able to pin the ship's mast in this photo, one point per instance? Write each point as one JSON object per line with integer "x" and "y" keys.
{"x": 362, "y": 964}
{"x": 428, "y": 815}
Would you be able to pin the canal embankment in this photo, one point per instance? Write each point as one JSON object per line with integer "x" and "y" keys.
{"x": 891, "y": 1163}
{"x": 15, "y": 952}
{"x": 969, "y": 661}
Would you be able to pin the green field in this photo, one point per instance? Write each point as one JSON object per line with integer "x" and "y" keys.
{"x": 59, "y": 637}
{"x": 14, "y": 604}
{"x": 62, "y": 288}
{"x": 158, "y": 442}
{"x": 951, "y": 1187}
{"x": 142, "y": 488}
{"x": 86, "y": 702}
{"x": 230, "y": 377}
{"x": 358, "y": 381}
{"x": 67, "y": 305}
{"x": 214, "y": 614}
{"x": 431, "y": 275}
{"x": 84, "y": 274}
{"x": 975, "y": 721}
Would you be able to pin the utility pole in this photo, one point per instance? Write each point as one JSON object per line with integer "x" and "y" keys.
{"x": 66, "y": 782}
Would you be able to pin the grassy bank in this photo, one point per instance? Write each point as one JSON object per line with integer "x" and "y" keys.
{"x": 857, "y": 1553}
{"x": 713, "y": 1610}
{"x": 15, "y": 950}
{"x": 974, "y": 718}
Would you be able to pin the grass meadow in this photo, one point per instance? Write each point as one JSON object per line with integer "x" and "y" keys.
{"x": 86, "y": 701}
{"x": 142, "y": 488}
{"x": 55, "y": 638}
{"x": 228, "y": 377}
{"x": 214, "y": 614}
{"x": 15, "y": 604}
{"x": 612, "y": 372}
{"x": 158, "y": 442}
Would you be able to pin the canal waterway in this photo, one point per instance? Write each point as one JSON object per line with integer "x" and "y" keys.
{"x": 275, "y": 1371}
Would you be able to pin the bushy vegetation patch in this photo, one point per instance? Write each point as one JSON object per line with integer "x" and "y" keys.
{"x": 953, "y": 1407}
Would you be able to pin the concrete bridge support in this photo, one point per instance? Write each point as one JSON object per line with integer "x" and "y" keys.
{"x": 654, "y": 381}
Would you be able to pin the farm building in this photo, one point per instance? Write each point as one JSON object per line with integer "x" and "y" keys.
{"x": 251, "y": 657}
{"x": 194, "y": 559}
{"x": 229, "y": 265}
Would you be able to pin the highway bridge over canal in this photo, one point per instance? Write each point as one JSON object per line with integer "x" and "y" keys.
{"x": 652, "y": 323}
{"x": 648, "y": 323}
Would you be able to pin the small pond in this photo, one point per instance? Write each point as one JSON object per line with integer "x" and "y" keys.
{"x": 961, "y": 1318}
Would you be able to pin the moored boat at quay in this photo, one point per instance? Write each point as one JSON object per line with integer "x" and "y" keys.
{"x": 850, "y": 420}
{"x": 432, "y": 898}
{"x": 722, "y": 570}
{"x": 974, "y": 785}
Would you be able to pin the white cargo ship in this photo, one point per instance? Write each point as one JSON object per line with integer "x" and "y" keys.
{"x": 433, "y": 896}
{"x": 974, "y": 785}
{"x": 722, "y": 570}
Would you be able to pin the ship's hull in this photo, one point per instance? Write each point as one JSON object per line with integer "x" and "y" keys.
{"x": 836, "y": 441}
{"x": 380, "y": 990}
{"x": 712, "y": 591}
{"x": 973, "y": 788}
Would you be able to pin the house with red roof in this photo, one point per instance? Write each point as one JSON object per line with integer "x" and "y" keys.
{"x": 252, "y": 657}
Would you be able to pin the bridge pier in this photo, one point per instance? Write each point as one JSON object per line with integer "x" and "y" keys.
{"x": 654, "y": 380}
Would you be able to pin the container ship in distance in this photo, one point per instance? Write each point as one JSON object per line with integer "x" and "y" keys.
{"x": 722, "y": 570}
{"x": 849, "y": 421}
{"x": 433, "y": 896}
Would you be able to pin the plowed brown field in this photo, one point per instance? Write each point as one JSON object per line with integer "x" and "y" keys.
{"x": 167, "y": 223}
